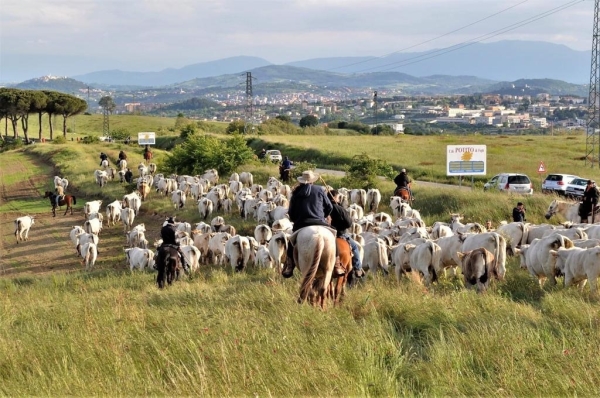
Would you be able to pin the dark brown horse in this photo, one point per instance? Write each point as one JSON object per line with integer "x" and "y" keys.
{"x": 67, "y": 200}
{"x": 168, "y": 264}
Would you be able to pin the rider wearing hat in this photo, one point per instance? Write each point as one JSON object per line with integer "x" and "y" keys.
{"x": 590, "y": 199}
{"x": 403, "y": 181}
{"x": 309, "y": 205}
{"x": 168, "y": 236}
{"x": 103, "y": 157}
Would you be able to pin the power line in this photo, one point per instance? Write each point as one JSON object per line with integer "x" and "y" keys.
{"x": 430, "y": 40}
{"x": 458, "y": 46}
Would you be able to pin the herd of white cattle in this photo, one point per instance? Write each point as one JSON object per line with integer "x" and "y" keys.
{"x": 401, "y": 239}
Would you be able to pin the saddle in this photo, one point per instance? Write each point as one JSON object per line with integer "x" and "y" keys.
{"x": 58, "y": 199}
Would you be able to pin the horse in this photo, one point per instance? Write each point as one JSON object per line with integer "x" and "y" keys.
{"x": 314, "y": 253}
{"x": 147, "y": 156}
{"x": 337, "y": 285}
{"x": 122, "y": 164}
{"x": 68, "y": 200}
{"x": 284, "y": 174}
{"x": 104, "y": 164}
{"x": 569, "y": 210}
{"x": 404, "y": 194}
{"x": 168, "y": 264}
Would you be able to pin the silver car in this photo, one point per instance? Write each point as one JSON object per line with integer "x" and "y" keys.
{"x": 557, "y": 183}
{"x": 576, "y": 188}
{"x": 510, "y": 182}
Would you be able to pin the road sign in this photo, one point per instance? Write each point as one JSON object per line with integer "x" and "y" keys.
{"x": 541, "y": 168}
{"x": 146, "y": 138}
{"x": 464, "y": 160}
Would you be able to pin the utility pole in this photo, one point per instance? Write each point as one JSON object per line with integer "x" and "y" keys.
{"x": 88, "y": 92}
{"x": 105, "y": 126}
{"x": 592, "y": 143}
{"x": 375, "y": 104}
{"x": 249, "y": 111}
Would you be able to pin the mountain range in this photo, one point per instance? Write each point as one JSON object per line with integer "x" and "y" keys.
{"x": 499, "y": 61}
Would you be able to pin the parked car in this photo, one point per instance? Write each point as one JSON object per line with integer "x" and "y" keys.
{"x": 576, "y": 187}
{"x": 510, "y": 182}
{"x": 557, "y": 183}
{"x": 274, "y": 155}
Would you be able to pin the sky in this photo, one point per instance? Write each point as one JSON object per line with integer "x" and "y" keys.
{"x": 69, "y": 37}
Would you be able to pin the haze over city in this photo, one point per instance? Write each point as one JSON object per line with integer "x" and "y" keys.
{"x": 70, "y": 37}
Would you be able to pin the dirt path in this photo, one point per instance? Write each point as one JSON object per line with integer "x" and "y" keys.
{"x": 49, "y": 248}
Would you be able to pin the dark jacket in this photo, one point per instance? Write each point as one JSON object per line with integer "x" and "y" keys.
{"x": 340, "y": 219}
{"x": 518, "y": 215}
{"x": 167, "y": 233}
{"x": 286, "y": 164}
{"x": 309, "y": 205}
{"x": 122, "y": 155}
{"x": 402, "y": 180}
{"x": 103, "y": 156}
{"x": 128, "y": 176}
{"x": 590, "y": 196}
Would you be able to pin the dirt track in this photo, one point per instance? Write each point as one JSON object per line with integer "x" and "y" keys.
{"x": 49, "y": 247}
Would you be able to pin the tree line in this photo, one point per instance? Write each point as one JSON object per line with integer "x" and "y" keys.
{"x": 17, "y": 105}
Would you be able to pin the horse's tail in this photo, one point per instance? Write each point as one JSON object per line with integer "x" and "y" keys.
{"x": 309, "y": 277}
{"x": 74, "y": 200}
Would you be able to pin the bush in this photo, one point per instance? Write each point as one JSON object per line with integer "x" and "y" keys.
{"x": 299, "y": 167}
{"x": 8, "y": 144}
{"x": 308, "y": 121}
{"x": 363, "y": 172}
{"x": 236, "y": 127}
{"x": 188, "y": 130}
{"x": 199, "y": 153}
{"x": 59, "y": 140}
{"x": 119, "y": 134}
{"x": 90, "y": 139}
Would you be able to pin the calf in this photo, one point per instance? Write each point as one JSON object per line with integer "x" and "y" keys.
{"x": 262, "y": 234}
{"x": 139, "y": 258}
{"x": 22, "y": 226}
{"x": 263, "y": 257}
{"x": 478, "y": 267}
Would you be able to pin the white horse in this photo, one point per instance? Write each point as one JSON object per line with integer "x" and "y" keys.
{"x": 104, "y": 164}
{"x": 314, "y": 253}
{"x": 122, "y": 165}
{"x": 569, "y": 210}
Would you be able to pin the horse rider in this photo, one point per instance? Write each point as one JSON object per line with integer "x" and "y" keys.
{"x": 60, "y": 193}
{"x": 589, "y": 201}
{"x": 285, "y": 165}
{"x": 403, "y": 181}
{"x": 341, "y": 221}
{"x": 519, "y": 213}
{"x": 103, "y": 157}
{"x": 309, "y": 205}
{"x": 147, "y": 153}
{"x": 167, "y": 234}
{"x": 262, "y": 154}
{"x": 122, "y": 156}
{"x": 128, "y": 176}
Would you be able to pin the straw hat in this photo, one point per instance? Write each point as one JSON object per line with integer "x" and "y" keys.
{"x": 308, "y": 177}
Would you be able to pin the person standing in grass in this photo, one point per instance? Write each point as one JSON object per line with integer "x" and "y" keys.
{"x": 519, "y": 213}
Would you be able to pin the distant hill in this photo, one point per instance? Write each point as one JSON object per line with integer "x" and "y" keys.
{"x": 171, "y": 76}
{"x": 500, "y": 61}
{"x": 537, "y": 86}
{"x": 193, "y": 103}
{"x": 62, "y": 84}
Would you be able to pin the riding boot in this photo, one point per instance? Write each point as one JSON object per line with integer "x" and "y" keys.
{"x": 184, "y": 264}
{"x": 338, "y": 268}
{"x": 288, "y": 267}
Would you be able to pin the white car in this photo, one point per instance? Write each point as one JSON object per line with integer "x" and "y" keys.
{"x": 557, "y": 183}
{"x": 274, "y": 155}
{"x": 510, "y": 182}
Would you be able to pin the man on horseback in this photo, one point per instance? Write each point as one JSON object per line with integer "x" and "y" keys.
{"x": 60, "y": 194}
{"x": 103, "y": 157}
{"x": 341, "y": 221}
{"x": 403, "y": 182}
{"x": 167, "y": 234}
{"x": 122, "y": 156}
{"x": 284, "y": 169}
{"x": 590, "y": 200}
{"x": 147, "y": 154}
{"x": 308, "y": 206}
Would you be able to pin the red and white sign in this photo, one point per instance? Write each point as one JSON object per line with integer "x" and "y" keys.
{"x": 542, "y": 168}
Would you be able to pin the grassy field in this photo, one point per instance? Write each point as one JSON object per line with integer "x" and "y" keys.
{"x": 111, "y": 332}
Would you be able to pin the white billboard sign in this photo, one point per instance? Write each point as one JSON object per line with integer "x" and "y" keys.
{"x": 466, "y": 160}
{"x": 147, "y": 138}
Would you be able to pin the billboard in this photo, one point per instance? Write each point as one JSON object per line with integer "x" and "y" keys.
{"x": 466, "y": 160}
{"x": 146, "y": 138}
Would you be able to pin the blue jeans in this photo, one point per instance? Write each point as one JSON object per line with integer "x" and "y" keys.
{"x": 356, "y": 265}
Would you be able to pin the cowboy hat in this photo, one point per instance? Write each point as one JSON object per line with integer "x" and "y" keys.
{"x": 308, "y": 177}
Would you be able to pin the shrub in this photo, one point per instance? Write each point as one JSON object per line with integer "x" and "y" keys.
{"x": 363, "y": 172}
{"x": 188, "y": 130}
{"x": 8, "y": 144}
{"x": 90, "y": 139}
{"x": 59, "y": 140}
{"x": 119, "y": 134}
{"x": 308, "y": 121}
{"x": 299, "y": 167}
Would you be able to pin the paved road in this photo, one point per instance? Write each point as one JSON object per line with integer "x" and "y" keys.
{"x": 337, "y": 173}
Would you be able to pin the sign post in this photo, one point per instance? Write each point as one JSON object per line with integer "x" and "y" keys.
{"x": 147, "y": 138}
{"x": 541, "y": 170}
{"x": 465, "y": 160}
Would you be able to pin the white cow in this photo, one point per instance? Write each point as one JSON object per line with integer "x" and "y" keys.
{"x": 263, "y": 257}
{"x": 93, "y": 226}
{"x": 426, "y": 259}
{"x": 571, "y": 233}
{"x": 515, "y": 233}
{"x": 211, "y": 175}
{"x": 22, "y": 226}
{"x": 136, "y": 237}
{"x": 113, "y": 212}
{"x": 538, "y": 231}
{"x": 439, "y": 230}
{"x": 83, "y": 239}
{"x": 536, "y": 257}
{"x": 216, "y": 223}
{"x": 360, "y": 213}
{"x": 142, "y": 169}
{"x": 478, "y": 268}
{"x": 89, "y": 253}
{"x": 359, "y": 196}
{"x": 132, "y": 201}
{"x": 282, "y": 225}
{"x": 278, "y": 249}
{"x": 75, "y": 232}
{"x": 216, "y": 246}
{"x": 262, "y": 234}
{"x": 237, "y": 252}
{"x": 205, "y": 207}
{"x": 492, "y": 242}
{"x": 376, "y": 256}
{"x": 127, "y": 217}
{"x": 201, "y": 242}
{"x": 263, "y": 213}
{"x": 373, "y": 199}
{"x": 101, "y": 177}
{"x": 91, "y": 207}
{"x": 139, "y": 258}
{"x": 178, "y": 199}
{"x": 192, "y": 256}
{"x": 227, "y": 205}
{"x": 202, "y": 227}
{"x": 578, "y": 265}
{"x": 234, "y": 177}
{"x": 247, "y": 179}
